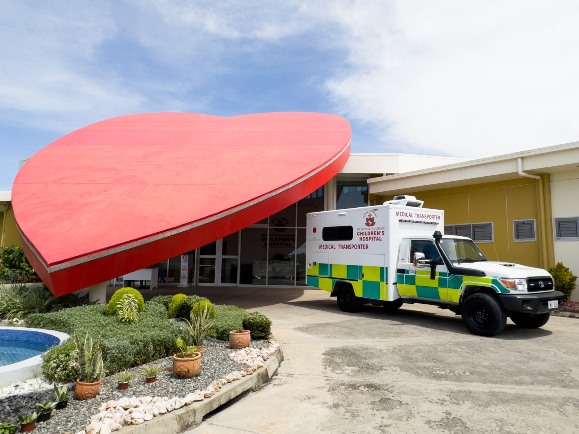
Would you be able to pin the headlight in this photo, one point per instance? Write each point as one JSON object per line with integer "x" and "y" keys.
{"x": 514, "y": 284}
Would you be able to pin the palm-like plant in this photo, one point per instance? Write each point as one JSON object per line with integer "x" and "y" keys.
{"x": 200, "y": 324}
{"x": 90, "y": 359}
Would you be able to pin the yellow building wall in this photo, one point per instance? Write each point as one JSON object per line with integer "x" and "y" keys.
{"x": 9, "y": 235}
{"x": 499, "y": 203}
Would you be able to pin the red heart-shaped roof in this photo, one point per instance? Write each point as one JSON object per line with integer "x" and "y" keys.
{"x": 131, "y": 191}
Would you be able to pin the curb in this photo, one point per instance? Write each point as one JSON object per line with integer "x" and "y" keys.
{"x": 192, "y": 415}
{"x": 566, "y": 314}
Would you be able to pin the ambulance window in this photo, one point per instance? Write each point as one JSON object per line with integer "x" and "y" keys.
{"x": 427, "y": 247}
{"x": 338, "y": 233}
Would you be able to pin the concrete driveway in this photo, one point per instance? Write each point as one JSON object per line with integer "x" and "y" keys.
{"x": 415, "y": 371}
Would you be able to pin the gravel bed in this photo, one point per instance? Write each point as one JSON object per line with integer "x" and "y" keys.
{"x": 75, "y": 417}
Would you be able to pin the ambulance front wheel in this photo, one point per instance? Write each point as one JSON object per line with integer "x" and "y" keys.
{"x": 483, "y": 315}
{"x": 529, "y": 320}
{"x": 347, "y": 300}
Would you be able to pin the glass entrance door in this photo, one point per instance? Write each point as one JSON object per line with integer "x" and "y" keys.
{"x": 218, "y": 262}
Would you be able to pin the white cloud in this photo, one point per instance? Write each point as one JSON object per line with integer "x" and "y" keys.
{"x": 465, "y": 78}
{"x": 50, "y": 76}
{"x": 469, "y": 78}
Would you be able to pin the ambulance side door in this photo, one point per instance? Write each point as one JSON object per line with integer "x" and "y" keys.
{"x": 405, "y": 271}
{"x": 415, "y": 275}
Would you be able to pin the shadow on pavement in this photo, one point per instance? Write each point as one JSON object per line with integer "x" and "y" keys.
{"x": 408, "y": 315}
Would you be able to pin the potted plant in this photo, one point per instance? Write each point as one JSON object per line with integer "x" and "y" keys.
{"x": 201, "y": 323}
{"x": 151, "y": 372}
{"x": 123, "y": 379}
{"x": 239, "y": 338}
{"x": 28, "y": 423}
{"x": 8, "y": 427}
{"x": 90, "y": 361}
{"x": 61, "y": 396}
{"x": 44, "y": 410}
{"x": 187, "y": 361}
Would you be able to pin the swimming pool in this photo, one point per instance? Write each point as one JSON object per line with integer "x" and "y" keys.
{"x": 21, "y": 352}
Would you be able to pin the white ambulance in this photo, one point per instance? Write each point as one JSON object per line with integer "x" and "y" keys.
{"x": 396, "y": 253}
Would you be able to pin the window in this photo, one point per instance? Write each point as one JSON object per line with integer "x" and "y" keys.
{"x": 338, "y": 233}
{"x": 479, "y": 232}
{"x": 351, "y": 194}
{"x": 567, "y": 228}
{"x": 524, "y": 230}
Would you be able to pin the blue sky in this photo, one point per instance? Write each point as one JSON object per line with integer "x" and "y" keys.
{"x": 436, "y": 77}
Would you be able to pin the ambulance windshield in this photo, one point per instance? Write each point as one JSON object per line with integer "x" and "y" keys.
{"x": 460, "y": 250}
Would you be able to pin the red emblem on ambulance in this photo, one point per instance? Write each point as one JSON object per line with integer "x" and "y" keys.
{"x": 369, "y": 219}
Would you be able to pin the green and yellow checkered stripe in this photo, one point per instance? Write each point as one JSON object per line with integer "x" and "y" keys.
{"x": 444, "y": 286}
{"x": 368, "y": 281}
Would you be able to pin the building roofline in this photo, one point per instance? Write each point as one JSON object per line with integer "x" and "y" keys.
{"x": 508, "y": 166}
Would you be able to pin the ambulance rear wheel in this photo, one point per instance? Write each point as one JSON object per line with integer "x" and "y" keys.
{"x": 392, "y": 306}
{"x": 530, "y": 320}
{"x": 347, "y": 300}
{"x": 483, "y": 315}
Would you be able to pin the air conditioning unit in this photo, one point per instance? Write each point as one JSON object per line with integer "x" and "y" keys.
{"x": 405, "y": 200}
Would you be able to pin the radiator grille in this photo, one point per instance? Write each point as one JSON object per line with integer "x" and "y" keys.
{"x": 535, "y": 284}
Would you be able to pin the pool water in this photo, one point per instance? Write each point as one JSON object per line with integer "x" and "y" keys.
{"x": 21, "y": 350}
{"x": 18, "y": 345}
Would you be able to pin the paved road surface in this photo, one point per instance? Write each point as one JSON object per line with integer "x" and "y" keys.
{"x": 416, "y": 371}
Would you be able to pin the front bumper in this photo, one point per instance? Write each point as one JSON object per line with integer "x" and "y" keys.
{"x": 531, "y": 303}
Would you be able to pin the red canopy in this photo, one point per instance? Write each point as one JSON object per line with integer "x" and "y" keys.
{"x": 132, "y": 191}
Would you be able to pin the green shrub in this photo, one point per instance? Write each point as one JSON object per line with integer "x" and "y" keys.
{"x": 161, "y": 299}
{"x": 202, "y": 305}
{"x": 11, "y": 304}
{"x": 112, "y": 306}
{"x": 22, "y": 300}
{"x": 565, "y": 280}
{"x": 124, "y": 345}
{"x": 52, "y": 321}
{"x": 174, "y": 305}
{"x": 127, "y": 308}
{"x": 227, "y": 318}
{"x": 81, "y": 318}
{"x": 186, "y": 306}
{"x": 61, "y": 363}
{"x": 258, "y": 324}
{"x": 14, "y": 267}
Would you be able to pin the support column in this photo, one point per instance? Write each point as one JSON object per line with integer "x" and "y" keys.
{"x": 98, "y": 293}
{"x": 184, "y": 279}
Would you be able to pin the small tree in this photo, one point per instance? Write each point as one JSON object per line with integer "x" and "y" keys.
{"x": 565, "y": 280}
{"x": 14, "y": 267}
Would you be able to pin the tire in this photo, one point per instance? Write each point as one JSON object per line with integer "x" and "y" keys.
{"x": 392, "y": 306}
{"x": 530, "y": 320}
{"x": 483, "y": 315}
{"x": 347, "y": 300}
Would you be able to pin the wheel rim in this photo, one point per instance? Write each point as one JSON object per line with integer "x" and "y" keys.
{"x": 480, "y": 314}
{"x": 346, "y": 297}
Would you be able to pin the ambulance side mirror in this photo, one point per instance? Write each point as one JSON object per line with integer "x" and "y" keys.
{"x": 419, "y": 259}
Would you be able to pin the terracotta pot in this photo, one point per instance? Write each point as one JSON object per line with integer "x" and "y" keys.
{"x": 84, "y": 390}
{"x": 27, "y": 427}
{"x": 123, "y": 385}
{"x": 187, "y": 367}
{"x": 150, "y": 379}
{"x": 61, "y": 404}
{"x": 200, "y": 349}
{"x": 239, "y": 339}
